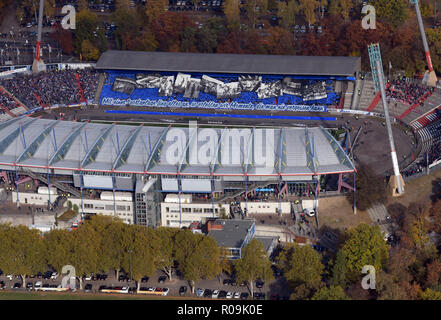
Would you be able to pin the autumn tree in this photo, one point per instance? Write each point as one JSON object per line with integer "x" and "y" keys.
{"x": 287, "y": 12}
{"x": 89, "y": 51}
{"x": 232, "y": 13}
{"x": 338, "y": 277}
{"x": 280, "y": 41}
{"x": 22, "y": 251}
{"x": 308, "y": 8}
{"x": 142, "y": 252}
{"x": 154, "y": 9}
{"x": 197, "y": 256}
{"x": 254, "y": 9}
{"x": 430, "y": 294}
{"x": 331, "y": 293}
{"x": 57, "y": 248}
{"x": 86, "y": 23}
{"x": 254, "y": 264}
{"x": 364, "y": 246}
{"x": 392, "y": 11}
{"x": 167, "y": 249}
{"x": 84, "y": 251}
{"x": 303, "y": 269}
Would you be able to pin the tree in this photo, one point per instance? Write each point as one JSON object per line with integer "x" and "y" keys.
{"x": 345, "y": 8}
{"x": 430, "y": 294}
{"x": 206, "y": 40}
{"x": 308, "y": 8}
{"x": 141, "y": 257}
{"x": 89, "y": 52}
{"x": 331, "y": 293}
{"x": 392, "y": 11}
{"x": 22, "y": 251}
{"x": 188, "y": 39}
{"x": 302, "y": 266}
{"x": 167, "y": 245}
{"x": 339, "y": 270}
{"x": 57, "y": 248}
{"x": 254, "y": 264}
{"x": 371, "y": 188}
{"x": 84, "y": 251}
{"x": 197, "y": 256}
{"x": 86, "y": 24}
{"x": 364, "y": 246}
{"x": 416, "y": 225}
{"x": 254, "y": 9}
{"x": 127, "y": 26}
{"x": 287, "y": 12}
{"x": 153, "y": 9}
{"x": 280, "y": 41}
{"x": 388, "y": 288}
{"x": 232, "y": 13}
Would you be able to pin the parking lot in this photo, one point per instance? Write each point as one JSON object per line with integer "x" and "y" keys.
{"x": 218, "y": 288}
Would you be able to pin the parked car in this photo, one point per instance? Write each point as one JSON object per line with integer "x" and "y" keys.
{"x": 29, "y": 286}
{"x": 145, "y": 279}
{"x": 37, "y": 285}
{"x": 207, "y": 293}
{"x": 10, "y": 276}
{"x": 259, "y": 284}
{"x": 244, "y": 296}
{"x": 222, "y": 294}
{"x": 182, "y": 290}
{"x": 47, "y": 275}
{"x": 226, "y": 282}
{"x": 88, "y": 287}
{"x": 236, "y": 295}
{"x": 54, "y": 275}
{"x": 161, "y": 279}
{"x": 215, "y": 294}
{"x": 199, "y": 292}
{"x": 2, "y": 285}
{"x": 16, "y": 285}
{"x": 89, "y": 277}
{"x": 165, "y": 291}
{"x": 229, "y": 295}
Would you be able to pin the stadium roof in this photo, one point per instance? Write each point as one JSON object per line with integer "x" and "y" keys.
{"x": 78, "y": 146}
{"x": 229, "y": 63}
{"x": 233, "y": 232}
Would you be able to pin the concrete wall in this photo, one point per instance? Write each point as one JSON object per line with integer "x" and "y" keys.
{"x": 124, "y": 209}
{"x": 266, "y": 207}
{"x": 170, "y": 215}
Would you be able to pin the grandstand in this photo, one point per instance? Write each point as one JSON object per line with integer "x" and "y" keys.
{"x": 137, "y": 158}
{"x": 225, "y": 81}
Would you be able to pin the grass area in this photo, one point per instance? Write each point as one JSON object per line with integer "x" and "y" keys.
{"x": 337, "y": 213}
{"x": 418, "y": 190}
{"x": 20, "y": 295}
{"x": 67, "y": 215}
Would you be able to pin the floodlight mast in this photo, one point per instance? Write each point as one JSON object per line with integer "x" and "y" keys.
{"x": 431, "y": 80}
{"x": 393, "y": 153}
{"x": 38, "y": 64}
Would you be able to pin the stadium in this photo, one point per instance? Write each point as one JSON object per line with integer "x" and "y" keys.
{"x": 118, "y": 137}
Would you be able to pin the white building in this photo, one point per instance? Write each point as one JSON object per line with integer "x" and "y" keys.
{"x": 122, "y": 206}
{"x": 40, "y": 198}
{"x": 266, "y": 207}
{"x": 178, "y": 215}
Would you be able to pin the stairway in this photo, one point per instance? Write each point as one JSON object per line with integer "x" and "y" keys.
{"x": 367, "y": 94}
{"x": 53, "y": 182}
{"x": 99, "y": 88}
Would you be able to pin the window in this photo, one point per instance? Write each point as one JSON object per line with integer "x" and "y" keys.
{"x": 121, "y": 208}
{"x": 167, "y": 209}
{"x": 207, "y": 210}
{"x": 197, "y": 210}
{"x": 186, "y": 210}
{"x": 88, "y": 206}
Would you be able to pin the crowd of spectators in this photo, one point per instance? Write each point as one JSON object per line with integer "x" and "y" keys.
{"x": 52, "y": 87}
{"x": 407, "y": 91}
{"x": 432, "y": 155}
{"x": 7, "y": 101}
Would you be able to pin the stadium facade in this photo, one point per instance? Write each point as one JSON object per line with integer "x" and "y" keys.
{"x": 153, "y": 161}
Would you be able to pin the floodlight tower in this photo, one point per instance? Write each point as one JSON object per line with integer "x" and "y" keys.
{"x": 430, "y": 76}
{"x": 378, "y": 75}
{"x": 38, "y": 64}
